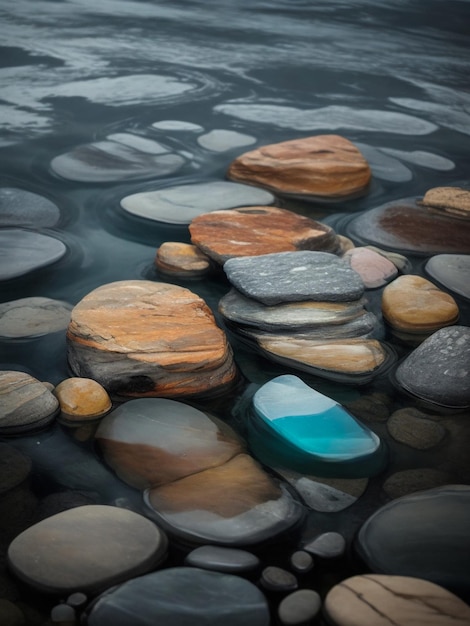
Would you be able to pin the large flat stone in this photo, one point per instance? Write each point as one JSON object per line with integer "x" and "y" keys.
{"x": 23, "y": 251}
{"x": 140, "y": 338}
{"x": 255, "y": 230}
{"x": 31, "y": 317}
{"x": 295, "y": 277}
{"x": 19, "y": 207}
{"x": 452, "y": 271}
{"x": 323, "y": 165}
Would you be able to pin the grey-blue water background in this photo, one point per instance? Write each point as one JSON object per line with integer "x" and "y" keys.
{"x": 390, "y": 75}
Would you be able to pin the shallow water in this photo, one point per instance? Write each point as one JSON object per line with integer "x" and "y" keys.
{"x": 390, "y": 76}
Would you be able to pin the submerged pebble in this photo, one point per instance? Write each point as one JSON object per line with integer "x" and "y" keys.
{"x": 32, "y": 317}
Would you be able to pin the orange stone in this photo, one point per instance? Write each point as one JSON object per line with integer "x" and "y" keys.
{"x": 413, "y": 304}
{"x": 328, "y": 166}
{"x": 82, "y": 399}
{"x": 144, "y": 338}
{"x": 181, "y": 259}
{"x": 252, "y": 231}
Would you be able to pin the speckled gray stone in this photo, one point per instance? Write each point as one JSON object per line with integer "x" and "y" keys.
{"x": 437, "y": 371}
{"x": 294, "y": 277}
{"x": 19, "y": 207}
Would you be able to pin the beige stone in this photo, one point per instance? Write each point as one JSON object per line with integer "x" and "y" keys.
{"x": 413, "y": 304}
{"x": 82, "y": 399}
{"x": 322, "y": 165}
{"x": 453, "y": 201}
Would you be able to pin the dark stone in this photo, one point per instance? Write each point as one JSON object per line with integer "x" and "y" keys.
{"x": 328, "y": 545}
{"x": 222, "y": 559}
{"x": 301, "y": 561}
{"x": 299, "y": 607}
{"x": 278, "y": 579}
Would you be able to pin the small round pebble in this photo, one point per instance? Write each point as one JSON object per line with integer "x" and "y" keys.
{"x": 299, "y": 607}
{"x": 327, "y": 545}
{"x": 301, "y": 562}
{"x": 82, "y": 399}
{"x": 77, "y": 600}
{"x": 278, "y": 579}
{"x": 64, "y": 615}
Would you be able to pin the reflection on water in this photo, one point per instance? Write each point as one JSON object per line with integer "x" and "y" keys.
{"x": 199, "y": 83}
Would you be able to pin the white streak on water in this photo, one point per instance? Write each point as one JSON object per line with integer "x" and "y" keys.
{"x": 419, "y": 157}
{"x": 331, "y": 117}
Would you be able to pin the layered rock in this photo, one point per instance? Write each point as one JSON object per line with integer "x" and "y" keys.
{"x": 258, "y": 230}
{"x": 182, "y": 260}
{"x": 305, "y": 310}
{"x": 414, "y": 307}
{"x": 199, "y": 482}
{"x": 25, "y": 403}
{"x": 143, "y": 338}
{"x": 453, "y": 201}
{"x": 328, "y": 166}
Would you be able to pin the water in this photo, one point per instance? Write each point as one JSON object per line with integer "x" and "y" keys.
{"x": 390, "y": 76}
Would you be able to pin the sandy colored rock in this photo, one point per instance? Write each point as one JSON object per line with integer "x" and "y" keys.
{"x": 82, "y": 399}
{"x": 323, "y": 165}
{"x": 413, "y": 304}
{"x": 374, "y": 269}
{"x": 453, "y": 201}
{"x": 181, "y": 259}
{"x": 144, "y": 338}
{"x": 257, "y": 230}
{"x": 25, "y": 403}
{"x": 379, "y": 600}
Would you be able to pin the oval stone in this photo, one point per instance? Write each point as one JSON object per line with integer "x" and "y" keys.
{"x": 328, "y": 166}
{"x": 82, "y": 399}
{"x": 374, "y": 269}
{"x": 25, "y": 403}
{"x": 299, "y": 607}
{"x": 453, "y": 201}
{"x": 278, "y": 579}
{"x": 328, "y": 545}
{"x": 182, "y": 596}
{"x": 452, "y": 271}
{"x": 32, "y": 317}
{"x": 87, "y": 548}
{"x": 437, "y": 370}
{"x": 181, "y": 204}
{"x": 379, "y": 600}
{"x": 255, "y": 230}
{"x": 423, "y": 535}
{"x": 412, "y": 304}
{"x": 182, "y": 260}
{"x": 145, "y": 338}
{"x": 222, "y": 559}
{"x": 19, "y": 207}
{"x": 23, "y": 251}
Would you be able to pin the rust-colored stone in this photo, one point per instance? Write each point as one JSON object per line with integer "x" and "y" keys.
{"x": 181, "y": 259}
{"x": 252, "y": 231}
{"x": 328, "y": 166}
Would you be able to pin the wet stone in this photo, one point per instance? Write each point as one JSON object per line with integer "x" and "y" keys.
{"x": 327, "y": 166}
{"x": 182, "y": 203}
{"x": 409, "y": 481}
{"x": 241, "y": 310}
{"x": 200, "y": 484}
{"x": 87, "y": 548}
{"x": 412, "y": 304}
{"x": 25, "y": 404}
{"x": 257, "y": 230}
{"x": 220, "y": 140}
{"x": 295, "y": 277}
{"x": 453, "y": 201}
{"x": 15, "y": 468}
{"x": 423, "y": 535}
{"x": 451, "y": 271}
{"x": 208, "y": 598}
{"x": 301, "y": 562}
{"x": 177, "y": 125}
{"x": 182, "y": 260}
{"x": 418, "y": 433}
{"x": 381, "y": 600}
{"x": 220, "y": 559}
{"x": 373, "y": 407}
{"x": 437, "y": 370}
{"x": 77, "y": 600}
{"x": 278, "y": 579}
{"x": 110, "y": 160}
{"x": 145, "y": 338}
{"x": 299, "y": 607}
{"x": 400, "y": 261}
{"x": 374, "y": 269}
{"x": 82, "y": 399}
{"x": 31, "y": 317}
{"x": 64, "y": 615}
{"x": 330, "y": 545}
{"x": 19, "y": 207}
{"x": 60, "y": 501}
{"x": 326, "y": 495}
{"x": 405, "y": 226}
{"x": 23, "y": 251}
{"x": 305, "y": 430}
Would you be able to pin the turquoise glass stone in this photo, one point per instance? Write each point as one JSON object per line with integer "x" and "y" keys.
{"x": 293, "y": 425}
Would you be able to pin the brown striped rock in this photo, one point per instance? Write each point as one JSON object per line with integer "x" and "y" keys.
{"x": 415, "y": 305}
{"x": 328, "y": 166}
{"x": 182, "y": 260}
{"x": 453, "y": 201}
{"x": 256, "y": 230}
{"x": 144, "y": 338}
{"x": 379, "y": 600}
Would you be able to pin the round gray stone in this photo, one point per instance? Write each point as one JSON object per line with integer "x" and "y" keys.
{"x": 328, "y": 545}
{"x": 222, "y": 559}
{"x": 299, "y": 607}
{"x": 452, "y": 271}
{"x": 19, "y": 207}
{"x": 278, "y": 579}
